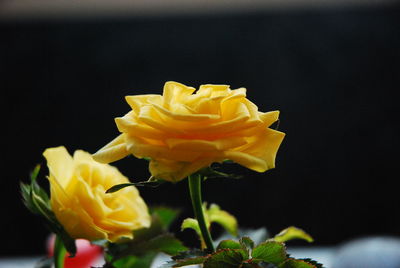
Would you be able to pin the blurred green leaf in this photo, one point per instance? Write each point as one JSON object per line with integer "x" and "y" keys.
{"x": 226, "y": 220}
{"x": 165, "y": 243}
{"x": 291, "y": 233}
{"x": 143, "y": 261}
{"x": 313, "y": 262}
{"x": 154, "y": 239}
{"x": 153, "y": 184}
{"x": 293, "y": 263}
{"x": 246, "y": 242}
{"x": 37, "y": 201}
{"x": 35, "y": 172}
{"x": 270, "y": 252}
{"x": 226, "y": 258}
{"x": 229, "y": 244}
{"x": 213, "y": 214}
{"x": 192, "y": 253}
{"x": 185, "y": 261}
{"x": 26, "y": 198}
{"x": 166, "y": 215}
{"x": 190, "y": 223}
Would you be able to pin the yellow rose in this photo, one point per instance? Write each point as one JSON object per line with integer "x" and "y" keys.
{"x": 182, "y": 132}
{"x": 79, "y": 201}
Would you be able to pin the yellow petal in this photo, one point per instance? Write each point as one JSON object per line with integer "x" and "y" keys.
{"x": 260, "y": 153}
{"x": 136, "y": 102}
{"x": 269, "y": 118}
{"x": 266, "y": 146}
{"x": 79, "y": 225}
{"x": 175, "y": 171}
{"x": 113, "y": 151}
{"x": 130, "y": 124}
{"x": 82, "y": 156}
{"x": 202, "y": 145}
{"x": 139, "y": 148}
{"x": 150, "y": 116}
{"x": 214, "y": 91}
{"x": 89, "y": 201}
{"x": 131, "y": 208}
{"x": 234, "y": 109}
{"x": 175, "y": 92}
{"x": 248, "y": 160}
{"x": 60, "y": 164}
{"x": 178, "y": 114}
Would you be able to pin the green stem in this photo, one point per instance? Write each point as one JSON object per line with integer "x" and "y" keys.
{"x": 59, "y": 253}
{"x": 195, "y": 195}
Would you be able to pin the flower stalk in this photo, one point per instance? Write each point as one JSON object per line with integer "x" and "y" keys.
{"x": 59, "y": 253}
{"x": 195, "y": 195}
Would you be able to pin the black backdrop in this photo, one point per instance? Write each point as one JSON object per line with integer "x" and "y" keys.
{"x": 334, "y": 75}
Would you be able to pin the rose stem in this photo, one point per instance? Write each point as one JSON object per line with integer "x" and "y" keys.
{"x": 59, "y": 253}
{"x": 195, "y": 195}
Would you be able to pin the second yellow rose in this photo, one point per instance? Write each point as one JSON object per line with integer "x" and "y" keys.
{"x": 79, "y": 201}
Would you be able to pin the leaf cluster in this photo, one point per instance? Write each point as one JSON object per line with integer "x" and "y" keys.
{"x": 245, "y": 254}
{"x": 37, "y": 201}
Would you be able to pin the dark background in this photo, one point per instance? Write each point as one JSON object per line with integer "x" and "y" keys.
{"x": 333, "y": 73}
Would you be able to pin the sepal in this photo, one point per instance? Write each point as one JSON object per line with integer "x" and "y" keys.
{"x": 152, "y": 182}
{"x": 37, "y": 201}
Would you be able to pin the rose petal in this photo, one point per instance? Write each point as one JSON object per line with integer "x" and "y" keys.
{"x": 113, "y": 151}
{"x": 60, "y": 164}
{"x": 175, "y": 171}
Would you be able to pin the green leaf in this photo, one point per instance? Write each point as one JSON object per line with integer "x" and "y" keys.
{"x": 246, "y": 242}
{"x": 211, "y": 172}
{"x": 226, "y": 220}
{"x": 313, "y": 262}
{"x": 291, "y": 233}
{"x": 35, "y": 173}
{"x": 153, "y": 239}
{"x": 144, "y": 261}
{"x": 225, "y": 258}
{"x": 165, "y": 243}
{"x": 26, "y": 198}
{"x": 270, "y": 251}
{"x": 293, "y": 263}
{"x": 42, "y": 207}
{"x": 253, "y": 265}
{"x": 213, "y": 214}
{"x": 190, "y": 223}
{"x": 190, "y": 254}
{"x": 149, "y": 183}
{"x": 166, "y": 215}
{"x": 37, "y": 201}
{"x": 189, "y": 261}
{"x": 229, "y": 244}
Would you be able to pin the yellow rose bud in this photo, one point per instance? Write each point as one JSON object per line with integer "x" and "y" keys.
{"x": 182, "y": 132}
{"x": 79, "y": 201}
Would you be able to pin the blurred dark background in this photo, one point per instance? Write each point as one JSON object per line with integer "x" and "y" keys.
{"x": 334, "y": 74}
